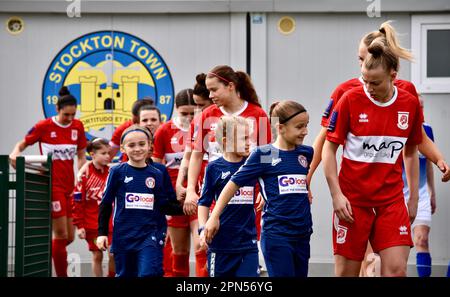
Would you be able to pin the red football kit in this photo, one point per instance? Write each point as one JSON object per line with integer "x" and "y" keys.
{"x": 374, "y": 135}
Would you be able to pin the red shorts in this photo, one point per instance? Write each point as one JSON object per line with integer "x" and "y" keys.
{"x": 384, "y": 226}
{"x": 61, "y": 204}
{"x": 91, "y": 238}
{"x": 180, "y": 221}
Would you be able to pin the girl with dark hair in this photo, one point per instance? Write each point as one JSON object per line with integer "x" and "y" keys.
{"x": 63, "y": 137}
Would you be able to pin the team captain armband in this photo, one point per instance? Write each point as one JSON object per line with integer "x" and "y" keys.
{"x": 333, "y": 120}
{"x": 327, "y": 111}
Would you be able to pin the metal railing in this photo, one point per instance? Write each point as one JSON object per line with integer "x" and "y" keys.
{"x": 25, "y": 217}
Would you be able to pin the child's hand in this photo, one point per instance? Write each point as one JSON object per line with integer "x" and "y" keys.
{"x": 102, "y": 243}
{"x": 203, "y": 244}
{"x": 190, "y": 203}
{"x": 211, "y": 228}
{"x": 81, "y": 233}
{"x": 259, "y": 202}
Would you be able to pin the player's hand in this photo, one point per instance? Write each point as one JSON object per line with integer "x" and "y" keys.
{"x": 84, "y": 170}
{"x": 102, "y": 243}
{"x": 342, "y": 208}
{"x": 203, "y": 244}
{"x": 211, "y": 228}
{"x": 181, "y": 193}
{"x": 412, "y": 208}
{"x": 259, "y": 202}
{"x": 443, "y": 167}
{"x": 12, "y": 159}
{"x": 310, "y": 196}
{"x": 190, "y": 203}
{"x": 81, "y": 233}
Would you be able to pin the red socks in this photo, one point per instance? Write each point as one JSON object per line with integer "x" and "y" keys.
{"x": 59, "y": 255}
{"x": 200, "y": 264}
{"x": 180, "y": 265}
{"x": 168, "y": 258}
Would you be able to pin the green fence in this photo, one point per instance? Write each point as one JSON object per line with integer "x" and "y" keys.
{"x": 25, "y": 218}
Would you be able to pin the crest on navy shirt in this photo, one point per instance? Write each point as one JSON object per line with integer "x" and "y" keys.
{"x": 402, "y": 120}
{"x": 150, "y": 182}
{"x": 303, "y": 161}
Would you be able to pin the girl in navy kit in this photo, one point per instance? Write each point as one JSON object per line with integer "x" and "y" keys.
{"x": 281, "y": 170}
{"x": 233, "y": 252}
{"x": 137, "y": 190}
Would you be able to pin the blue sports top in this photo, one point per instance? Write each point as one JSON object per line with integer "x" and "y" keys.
{"x": 282, "y": 178}
{"x": 138, "y": 194}
{"x": 237, "y": 230}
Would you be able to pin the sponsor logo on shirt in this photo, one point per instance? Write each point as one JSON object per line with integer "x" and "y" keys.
{"x": 53, "y": 134}
{"x": 276, "y": 161}
{"x": 59, "y": 151}
{"x": 173, "y": 140}
{"x": 363, "y": 118}
{"x": 403, "y": 230}
{"x": 243, "y": 195}
{"x": 127, "y": 179}
{"x": 225, "y": 174}
{"x": 150, "y": 182}
{"x": 139, "y": 201}
{"x": 374, "y": 149}
{"x": 292, "y": 183}
{"x": 403, "y": 118}
{"x": 303, "y": 161}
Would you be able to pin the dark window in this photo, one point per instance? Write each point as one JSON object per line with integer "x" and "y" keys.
{"x": 438, "y": 53}
{"x": 99, "y": 94}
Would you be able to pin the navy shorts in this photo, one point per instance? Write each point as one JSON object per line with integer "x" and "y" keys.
{"x": 286, "y": 257}
{"x": 146, "y": 262}
{"x": 244, "y": 264}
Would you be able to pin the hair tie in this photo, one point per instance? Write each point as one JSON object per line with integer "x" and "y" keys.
{"x": 293, "y": 115}
{"x": 382, "y": 31}
{"x": 219, "y": 77}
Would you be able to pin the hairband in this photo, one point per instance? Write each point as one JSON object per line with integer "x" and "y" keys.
{"x": 293, "y": 115}
{"x": 219, "y": 77}
{"x": 382, "y": 31}
{"x": 97, "y": 139}
{"x": 134, "y": 130}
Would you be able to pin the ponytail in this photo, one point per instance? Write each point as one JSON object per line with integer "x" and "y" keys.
{"x": 380, "y": 54}
{"x": 388, "y": 36}
{"x": 244, "y": 86}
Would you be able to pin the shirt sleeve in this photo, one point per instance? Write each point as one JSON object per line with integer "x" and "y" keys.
{"x": 78, "y": 203}
{"x": 251, "y": 170}
{"x": 415, "y": 137}
{"x": 35, "y": 133}
{"x": 335, "y": 96}
{"x": 105, "y": 207}
{"x": 264, "y": 129}
{"x": 115, "y": 139}
{"x": 159, "y": 142}
{"x": 339, "y": 124}
{"x": 207, "y": 194}
{"x": 200, "y": 133}
{"x": 82, "y": 142}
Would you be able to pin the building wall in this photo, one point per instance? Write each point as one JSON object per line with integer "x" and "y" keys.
{"x": 305, "y": 66}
